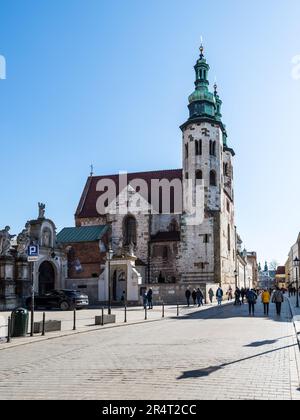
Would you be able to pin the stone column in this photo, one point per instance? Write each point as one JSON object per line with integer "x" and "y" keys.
{"x": 8, "y": 297}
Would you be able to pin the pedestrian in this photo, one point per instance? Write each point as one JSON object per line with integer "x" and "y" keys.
{"x": 150, "y": 299}
{"x": 200, "y": 298}
{"x": 145, "y": 299}
{"x": 211, "y": 295}
{"x": 229, "y": 294}
{"x": 251, "y": 298}
{"x": 237, "y": 295}
{"x": 265, "y": 298}
{"x": 243, "y": 294}
{"x": 219, "y": 296}
{"x": 278, "y": 299}
{"x": 194, "y": 296}
{"x": 188, "y": 297}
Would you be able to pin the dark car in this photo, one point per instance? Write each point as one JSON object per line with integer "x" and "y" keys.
{"x": 59, "y": 299}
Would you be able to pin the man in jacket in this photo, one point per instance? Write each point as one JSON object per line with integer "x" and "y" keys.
{"x": 188, "y": 297}
{"x": 251, "y": 298}
{"x": 278, "y": 299}
{"x": 219, "y": 296}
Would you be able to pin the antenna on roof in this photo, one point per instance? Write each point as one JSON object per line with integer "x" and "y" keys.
{"x": 92, "y": 170}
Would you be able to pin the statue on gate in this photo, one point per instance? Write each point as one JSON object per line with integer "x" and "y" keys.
{"x": 5, "y": 241}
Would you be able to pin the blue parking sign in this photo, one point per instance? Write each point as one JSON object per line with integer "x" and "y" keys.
{"x": 33, "y": 251}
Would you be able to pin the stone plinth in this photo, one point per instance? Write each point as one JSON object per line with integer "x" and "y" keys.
{"x": 50, "y": 326}
{"x": 107, "y": 319}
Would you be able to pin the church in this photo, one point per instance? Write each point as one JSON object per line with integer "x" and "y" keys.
{"x": 155, "y": 239}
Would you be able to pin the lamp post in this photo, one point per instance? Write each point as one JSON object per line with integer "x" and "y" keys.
{"x": 236, "y": 279}
{"x": 109, "y": 258}
{"x": 297, "y": 265}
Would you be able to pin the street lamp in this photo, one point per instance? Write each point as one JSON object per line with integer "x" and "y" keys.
{"x": 236, "y": 277}
{"x": 297, "y": 265}
{"x": 109, "y": 258}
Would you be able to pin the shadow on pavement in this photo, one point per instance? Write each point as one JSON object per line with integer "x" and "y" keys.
{"x": 200, "y": 373}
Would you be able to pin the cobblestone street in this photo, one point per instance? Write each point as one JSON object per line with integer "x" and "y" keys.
{"x": 216, "y": 354}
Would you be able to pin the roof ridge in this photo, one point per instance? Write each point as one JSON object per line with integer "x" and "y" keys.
{"x": 136, "y": 173}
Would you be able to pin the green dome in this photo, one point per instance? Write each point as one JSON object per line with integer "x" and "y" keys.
{"x": 202, "y": 95}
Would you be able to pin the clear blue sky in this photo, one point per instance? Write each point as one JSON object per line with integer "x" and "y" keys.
{"x": 107, "y": 81}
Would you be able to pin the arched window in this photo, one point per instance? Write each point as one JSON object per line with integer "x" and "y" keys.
{"x": 186, "y": 151}
{"x": 198, "y": 147}
{"x": 213, "y": 179}
{"x": 129, "y": 230}
{"x": 210, "y": 147}
{"x": 214, "y": 149}
{"x": 199, "y": 175}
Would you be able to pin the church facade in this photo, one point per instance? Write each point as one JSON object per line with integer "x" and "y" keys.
{"x": 174, "y": 229}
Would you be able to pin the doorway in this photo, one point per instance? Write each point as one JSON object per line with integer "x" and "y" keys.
{"x": 46, "y": 278}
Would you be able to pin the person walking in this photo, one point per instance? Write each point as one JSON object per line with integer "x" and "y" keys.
{"x": 219, "y": 296}
{"x": 211, "y": 295}
{"x": 194, "y": 296}
{"x": 237, "y": 295}
{"x": 150, "y": 299}
{"x": 188, "y": 297}
{"x": 278, "y": 299}
{"x": 251, "y": 298}
{"x": 265, "y": 298}
{"x": 243, "y": 294}
{"x": 229, "y": 294}
{"x": 200, "y": 298}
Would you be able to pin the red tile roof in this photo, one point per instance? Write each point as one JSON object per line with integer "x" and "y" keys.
{"x": 280, "y": 270}
{"x": 87, "y": 204}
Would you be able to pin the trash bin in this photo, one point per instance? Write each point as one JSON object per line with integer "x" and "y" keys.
{"x": 19, "y": 322}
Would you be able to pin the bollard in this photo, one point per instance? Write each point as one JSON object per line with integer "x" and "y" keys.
{"x": 74, "y": 319}
{"x": 125, "y": 313}
{"x": 163, "y": 310}
{"x": 177, "y": 309}
{"x": 9, "y": 330}
{"x": 102, "y": 317}
{"x": 146, "y": 313}
{"x": 44, "y": 320}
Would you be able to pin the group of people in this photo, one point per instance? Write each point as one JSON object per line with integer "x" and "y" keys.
{"x": 148, "y": 299}
{"x": 196, "y": 295}
{"x": 241, "y": 295}
{"x": 267, "y": 296}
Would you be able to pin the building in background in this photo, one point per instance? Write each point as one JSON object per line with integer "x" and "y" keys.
{"x": 290, "y": 269}
{"x": 280, "y": 277}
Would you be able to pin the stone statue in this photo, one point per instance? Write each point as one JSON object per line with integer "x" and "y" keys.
{"x": 23, "y": 241}
{"x": 42, "y": 208}
{"x": 131, "y": 249}
{"x": 47, "y": 238}
{"x": 5, "y": 241}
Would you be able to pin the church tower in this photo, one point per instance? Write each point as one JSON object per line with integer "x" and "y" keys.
{"x": 208, "y": 247}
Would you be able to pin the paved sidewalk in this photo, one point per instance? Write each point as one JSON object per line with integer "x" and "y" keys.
{"x": 218, "y": 354}
{"x": 85, "y": 321}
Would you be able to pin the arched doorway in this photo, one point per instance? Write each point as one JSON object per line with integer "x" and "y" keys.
{"x": 119, "y": 285}
{"x": 46, "y": 278}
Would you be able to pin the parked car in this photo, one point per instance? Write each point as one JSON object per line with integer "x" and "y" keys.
{"x": 59, "y": 299}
